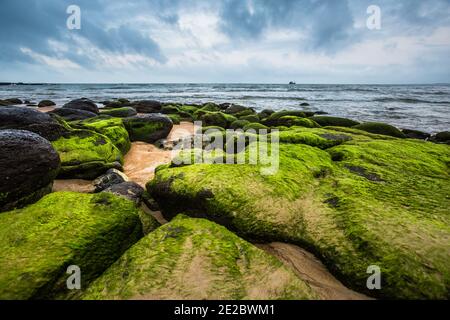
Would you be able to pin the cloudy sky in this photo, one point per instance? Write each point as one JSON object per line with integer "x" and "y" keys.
{"x": 257, "y": 41}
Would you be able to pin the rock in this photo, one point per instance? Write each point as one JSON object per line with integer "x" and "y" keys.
{"x": 239, "y": 124}
{"x": 169, "y": 109}
{"x": 129, "y": 190}
{"x": 416, "y": 134}
{"x": 110, "y": 178}
{"x": 13, "y": 101}
{"x": 28, "y": 166}
{"x": 41, "y": 241}
{"x": 32, "y": 120}
{"x": 289, "y": 121}
{"x": 441, "y": 137}
{"x": 319, "y": 138}
{"x": 82, "y": 104}
{"x": 219, "y": 119}
{"x": 69, "y": 114}
{"x": 325, "y": 121}
{"x": 395, "y": 186}
{"x": 265, "y": 113}
{"x": 148, "y": 106}
{"x": 234, "y": 108}
{"x": 148, "y": 128}
{"x": 86, "y": 154}
{"x": 272, "y": 120}
{"x": 304, "y": 104}
{"x": 182, "y": 259}
{"x": 256, "y": 126}
{"x": 46, "y": 103}
{"x": 122, "y": 112}
{"x": 380, "y": 128}
{"x": 250, "y": 118}
{"x": 113, "y": 128}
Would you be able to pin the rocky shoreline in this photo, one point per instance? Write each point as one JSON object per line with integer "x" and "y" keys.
{"x": 89, "y": 186}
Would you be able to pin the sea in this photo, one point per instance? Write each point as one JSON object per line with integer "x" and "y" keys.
{"x": 420, "y": 107}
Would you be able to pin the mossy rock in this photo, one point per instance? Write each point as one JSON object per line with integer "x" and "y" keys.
{"x": 122, "y": 112}
{"x": 265, "y": 113}
{"x": 211, "y": 128}
{"x": 320, "y": 138}
{"x": 148, "y": 128}
{"x": 169, "y": 109}
{"x": 113, "y": 128}
{"x": 246, "y": 112}
{"x": 188, "y": 108}
{"x": 380, "y": 128}
{"x": 239, "y": 124}
{"x": 219, "y": 119}
{"x": 289, "y": 121}
{"x": 442, "y": 137}
{"x": 176, "y": 119}
{"x": 256, "y": 126}
{"x": 272, "y": 120}
{"x": 212, "y": 107}
{"x": 40, "y": 241}
{"x": 86, "y": 154}
{"x": 364, "y": 202}
{"x": 334, "y": 121}
{"x": 250, "y": 118}
{"x": 197, "y": 259}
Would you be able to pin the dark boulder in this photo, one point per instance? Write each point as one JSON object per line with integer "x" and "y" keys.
{"x": 46, "y": 103}
{"x": 304, "y": 104}
{"x": 380, "y": 128}
{"x": 147, "y": 106}
{"x": 32, "y": 120}
{"x": 265, "y": 113}
{"x": 110, "y": 178}
{"x": 129, "y": 190}
{"x": 14, "y": 101}
{"x": 73, "y": 114}
{"x": 120, "y": 112}
{"x": 28, "y": 166}
{"x": 235, "y": 108}
{"x": 416, "y": 134}
{"x": 148, "y": 128}
{"x": 441, "y": 137}
{"x": 82, "y": 104}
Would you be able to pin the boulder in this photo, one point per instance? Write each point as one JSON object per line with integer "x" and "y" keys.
{"x": 380, "y": 128}
{"x": 147, "y": 106}
{"x": 265, "y": 113}
{"x": 441, "y": 137}
{"x": 416, "y": 134}
{"x": 69, "y": 114}
{"x": 235, "y": 108}
{"x": 250, "y": 118}
{"x": 28, "y": 166}
{"x": 13, "y": 101}
{"x": 289, "y": 121}
{"x": 272, "y": 120}
{"x": 31, "y": 120}
{"x": 39, "y": 243}
{"x": 239, "y": 124}
{"x": 129, "y": 190}
{"x": 197, "y": 259}
{"x": 334, "y": 121}
{"x": 354, "y": 205}
{"x": 86, "y": 154}
{"x": 122, "y": 112}
{"x": 148, "y": 128}
{"x": 110, "y": 178}
{"x": 82, "y": 104}
{"x": 112, "y": 128}
{"x": 46, "y": 103}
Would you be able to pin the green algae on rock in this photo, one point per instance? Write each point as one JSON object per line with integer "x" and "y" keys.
{"x": 197, "y": 259}
{"x": 363, "y": 202}
{"x": 121, "y": 112}
{"x": 380, "y": 128}
{"x": 290, "y": 121}
{"x": 113, "y": 128}
{"x": 86, "y": 154}
{"x": 334, "y": 121}
{"x": 40, "y": 241}
{"x": 148, "y": 128}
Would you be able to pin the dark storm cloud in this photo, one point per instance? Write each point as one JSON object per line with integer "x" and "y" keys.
{"x": 32, "y": 23}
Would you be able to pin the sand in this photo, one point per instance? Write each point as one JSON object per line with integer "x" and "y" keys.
{"x": 312, "y": 271}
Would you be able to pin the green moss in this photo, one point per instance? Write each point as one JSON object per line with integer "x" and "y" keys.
{"x": 246, "y": 112}
{"x": 255, "y": 126}
{"x": 239, "y": 124}
{"x": 189, "y": 109}
{"x": 170, "y": 109}
{"x": 250, "y": 118}
{"x": 40, "y": 241}
{"x": 212, "y": 107}
{"x": 176, "y": 119}
{"x": 86, "y": 154}
{"x": 272, "y": 120}
{"x": 334, "y": 121}
{"x": 204, "y": 129}
{"x": 380, "y": 128}
{"x": 197, "y": 259}
{"x": 147, "y": 128}
{"x": 290, "y": 121}
{"x": 364, "y": 202}
{"x": 219, "y": 119}
{"x": 113, "y": 128}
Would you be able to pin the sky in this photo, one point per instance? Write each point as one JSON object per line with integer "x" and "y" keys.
{"x": 225, "y": 41}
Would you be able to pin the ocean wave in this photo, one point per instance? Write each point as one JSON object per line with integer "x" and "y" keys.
{"x": 409, "y": 100}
